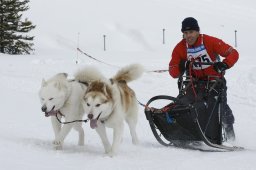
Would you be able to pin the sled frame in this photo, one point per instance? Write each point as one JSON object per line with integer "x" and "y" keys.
{"x": 167, "y": 142}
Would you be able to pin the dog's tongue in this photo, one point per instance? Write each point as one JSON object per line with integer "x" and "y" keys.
{"x": 50, "y": 113}
{"x": 93, "y": 123}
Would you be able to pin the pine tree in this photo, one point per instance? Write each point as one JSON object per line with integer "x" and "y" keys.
{"x": 13, "y": 39}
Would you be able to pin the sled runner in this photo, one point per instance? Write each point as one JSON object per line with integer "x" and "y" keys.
{"x": 194, "y": 116}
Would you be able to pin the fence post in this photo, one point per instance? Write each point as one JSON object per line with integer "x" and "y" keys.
{"x": 78, "y": 34}
{"x": 163, "y": 36}
{"x": 104, "y": 41}
{"x": 235, "y": 39}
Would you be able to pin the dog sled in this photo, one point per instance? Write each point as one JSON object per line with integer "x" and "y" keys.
{"x": 193, "y": 118}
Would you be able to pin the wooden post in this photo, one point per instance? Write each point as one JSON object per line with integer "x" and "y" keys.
{"x": 163, "y": 36}
{"x": 235, "y": 38}
{"x": 77, "y": 47}
{"x": 104, "y": 41}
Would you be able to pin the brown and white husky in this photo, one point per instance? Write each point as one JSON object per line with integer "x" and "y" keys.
{"x": 108, "y": 102}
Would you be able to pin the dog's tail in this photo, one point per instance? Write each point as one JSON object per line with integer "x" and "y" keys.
{"x": 129, "y": 73}
{"x": 88, "y": 74}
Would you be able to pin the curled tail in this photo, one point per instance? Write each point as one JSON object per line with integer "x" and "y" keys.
{"x": 129, "y": 73}
{"x": 88, "y": 74}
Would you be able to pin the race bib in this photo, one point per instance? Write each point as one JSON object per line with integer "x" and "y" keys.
{"x": 198, "y": 54}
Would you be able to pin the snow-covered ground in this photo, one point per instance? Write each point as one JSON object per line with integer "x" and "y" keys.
{"x": 133, "y": 32}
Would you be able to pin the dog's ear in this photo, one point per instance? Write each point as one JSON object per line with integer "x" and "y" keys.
{"x": 84, "y": 98}
{"x": 104, "y": 88}
{"x": 44, "y": 83}
{"x": 107, "y": 91}
{"x": 89, "y": 87}
{"x": 62, "y": 75}
{"x": 65, "y": 75}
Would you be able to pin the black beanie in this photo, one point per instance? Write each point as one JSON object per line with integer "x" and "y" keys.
{"x": 189, "y": 23}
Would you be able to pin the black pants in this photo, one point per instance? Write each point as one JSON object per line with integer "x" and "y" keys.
{"x": 227, "y": 116}
{"x": 200, "y": 91}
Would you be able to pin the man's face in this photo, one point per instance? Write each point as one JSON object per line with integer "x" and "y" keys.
{"x": 191, "y": 36}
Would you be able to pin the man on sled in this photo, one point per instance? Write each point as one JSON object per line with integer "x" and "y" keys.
{"x": 196, "y": 48}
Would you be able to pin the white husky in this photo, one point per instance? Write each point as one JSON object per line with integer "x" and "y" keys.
{"x": 63, "y": 98}
{"x": 109, "y": 102}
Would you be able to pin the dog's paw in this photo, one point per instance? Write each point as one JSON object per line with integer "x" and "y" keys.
{"x": 57, "y": 145}
{"x": 135, "y": 141}
{"x": 111, "y": 154}
{"x": 107, "y": 150}
{"x": 56, "y": 142}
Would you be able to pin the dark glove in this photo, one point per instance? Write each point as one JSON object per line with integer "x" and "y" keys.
{"x": 220, "y": 66}
{"x": 184, "y": 65}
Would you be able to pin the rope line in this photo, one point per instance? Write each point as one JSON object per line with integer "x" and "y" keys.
{"x": 96, "y": 58}
{"x": 74, "y": 121}
{"x": 155, "y": 71}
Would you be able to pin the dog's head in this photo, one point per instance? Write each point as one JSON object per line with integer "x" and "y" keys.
{"x": 53, "y": 94}
{"x": 98, "y": 102}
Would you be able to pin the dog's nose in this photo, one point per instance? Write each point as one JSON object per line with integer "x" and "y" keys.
{"x": 44, "y": 108}
{"x": 90, "y": 116}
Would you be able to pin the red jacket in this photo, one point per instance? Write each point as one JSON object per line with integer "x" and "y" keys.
{"x": 214, "y": 47}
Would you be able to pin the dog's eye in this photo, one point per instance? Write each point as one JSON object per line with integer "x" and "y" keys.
{"x": 51, "y": 99}
{"x": 88, "y": 104}
{"x": 97, "y": 105}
